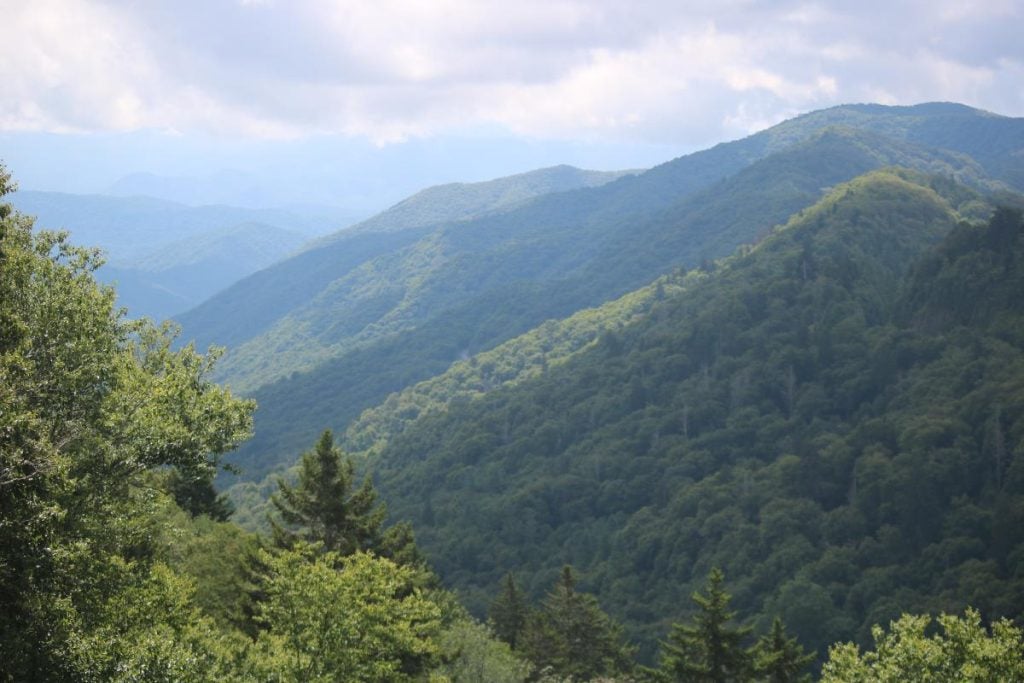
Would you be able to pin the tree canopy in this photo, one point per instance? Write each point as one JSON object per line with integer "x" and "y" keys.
{"x": 960, "y": 650}
{"x": 89, "y": 404}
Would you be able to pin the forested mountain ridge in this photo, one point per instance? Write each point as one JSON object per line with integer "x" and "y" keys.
{"x": 950, "y": 127}
{"x": 523, "y": 357}
{"x": 255, "y": 303}
{"x": 453, "y": 290}
{"x": 803, "y": 418}
{"x": 518, "y": 359}
{"x": 465, "y": 201}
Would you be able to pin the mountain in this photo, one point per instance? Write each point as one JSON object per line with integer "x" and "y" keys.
{"x": 250, "y": 308}
{"x": 833, "y": 417}
{"x": 365, "y": 313}
{"x": 168, "y": 257}
{"x": 464, "y": 201}
{"x": 182, "y": 274}
{"x": 127, "y": 228}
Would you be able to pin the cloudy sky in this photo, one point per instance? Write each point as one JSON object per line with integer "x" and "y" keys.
{"x": 605, "y": 83}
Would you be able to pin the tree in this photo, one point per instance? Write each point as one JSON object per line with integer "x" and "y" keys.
{"x": 353, "y": 618}
{"x": 323, "y": 507}
{"x": 90, "y": 405}
{"x": 707, "y": 649}
{"x": 570, "y": 636}
{"x": 961, "y": 650}
{"x": 473, "y": 655}
{"x": 197, "y": 496}
{"x": 508, "y": 612}
{"x": 780, "y": 659}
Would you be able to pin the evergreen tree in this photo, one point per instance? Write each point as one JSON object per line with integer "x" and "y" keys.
{"x": 707, "y": 650}
{"x": 570, "y": 636}
{"x": 197, "y": 496}
{"x": 780, "y": 659}
{"x": 324, "y": 507}
{"x": 508, "y": 612}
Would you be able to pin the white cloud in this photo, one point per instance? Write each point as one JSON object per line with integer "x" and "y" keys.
{"x": 677, "y": 72}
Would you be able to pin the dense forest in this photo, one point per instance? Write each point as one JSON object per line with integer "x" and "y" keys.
{"x": 785, "y": 440}
{"x": 820, "y": 417}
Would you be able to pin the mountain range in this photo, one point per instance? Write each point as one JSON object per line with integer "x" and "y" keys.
{"x": 320, "y": 337}
{"x": 798, "y": 357}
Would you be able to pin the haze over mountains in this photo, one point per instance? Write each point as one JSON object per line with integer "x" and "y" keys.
{"x": 168, "y": 257}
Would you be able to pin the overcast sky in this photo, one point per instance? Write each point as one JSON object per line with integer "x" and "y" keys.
{"x": 537, "y": 74}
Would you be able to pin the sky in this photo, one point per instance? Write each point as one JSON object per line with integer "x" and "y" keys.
{"x": 354, "y": 101}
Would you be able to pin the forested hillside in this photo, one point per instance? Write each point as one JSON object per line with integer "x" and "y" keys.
{"x": 465, "y": 201}
{"x": 233, "y": 317}
{"x": 355, "y": 324}
{"x": 825, "y": 417}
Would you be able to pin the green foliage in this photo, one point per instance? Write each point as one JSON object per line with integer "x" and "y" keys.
{"x": 708, "y": 649}
{"x": 323, "y": 506}
{"x": 197, "y": 495}
{"x": 214, "y": 555}
{"x": 90, "y": 405}
{"x": 509, "y": 612}
{"x": 354, "y": 618}
{"x": 150, "y": 631}
{"x": 789, "y": 417}
{"x": 571, "y": 637}
{"x": 781, "y": 659}
{"x": 961, "y": 650}
{"x": 473, "y": 655}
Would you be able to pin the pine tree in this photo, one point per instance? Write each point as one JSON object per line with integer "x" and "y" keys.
{"x": 707, "y": 650}
{"x": 508, "y": 613}
{"x": 570, "y": 636}
{"x": 780, "y": 659}
{"x": 196, "y": 495}
{"x": 323, "y": 507}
